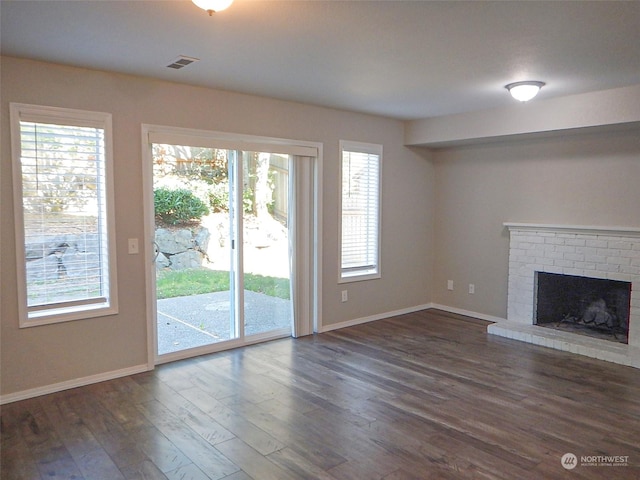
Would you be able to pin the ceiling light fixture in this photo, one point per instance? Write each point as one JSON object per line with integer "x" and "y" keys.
{"x": 524, "y": 91}
{"x": 212, "y": 6}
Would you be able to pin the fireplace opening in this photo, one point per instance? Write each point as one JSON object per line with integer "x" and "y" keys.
{"x": 587, "y": 306}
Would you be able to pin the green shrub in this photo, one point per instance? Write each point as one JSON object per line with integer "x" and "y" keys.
{"x": 219, "y": 197}
{"x": 178, "y": 206}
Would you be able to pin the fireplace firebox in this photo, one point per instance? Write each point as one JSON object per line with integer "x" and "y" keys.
{"x": 587, "y": 306}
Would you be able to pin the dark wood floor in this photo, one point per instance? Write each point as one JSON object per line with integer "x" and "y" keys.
{"x": 427, "y": 395}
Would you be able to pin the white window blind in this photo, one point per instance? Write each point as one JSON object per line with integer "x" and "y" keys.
{"x": 64, "y": 215}
{"x": 360, "y": 210}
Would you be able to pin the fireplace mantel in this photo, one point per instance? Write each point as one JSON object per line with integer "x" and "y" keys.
{"x": 590, "y": 251}
{"x": 580, "y": 229}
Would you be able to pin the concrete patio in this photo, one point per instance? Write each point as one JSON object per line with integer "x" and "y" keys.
{"x": 197, "y": 320}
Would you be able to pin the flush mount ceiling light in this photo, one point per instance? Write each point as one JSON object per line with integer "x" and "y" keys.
{"x": 212, "y": 6}
{"x": 524, "y": 91}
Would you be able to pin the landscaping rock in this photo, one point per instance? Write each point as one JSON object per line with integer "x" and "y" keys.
{"x": 184, "y": 260}
{"x": 201, "y": 238}
{"x": 181, "y": 248}
{"x": 174, "y": 241}
{"x": 162, "y": 261}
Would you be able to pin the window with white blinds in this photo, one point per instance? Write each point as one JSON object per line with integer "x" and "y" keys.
{"x": 63, "y": 213}
{"x": 360, "y": 210}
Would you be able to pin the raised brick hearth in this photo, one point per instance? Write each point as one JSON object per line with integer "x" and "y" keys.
{"x": 595, "y": 252}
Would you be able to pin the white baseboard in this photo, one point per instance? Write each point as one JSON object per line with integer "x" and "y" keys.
{"x": 81, "y": 382}
{"x": 77, "y": 382}
{"x": 373, "y": 318}
{"x": 426, "y": 306}
{"x": 467, "y": 313}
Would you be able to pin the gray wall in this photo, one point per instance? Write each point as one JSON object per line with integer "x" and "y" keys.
{"x": 442, "y": 211}
{"x": 587, "y": 179}
{"x": 40, "y": 356}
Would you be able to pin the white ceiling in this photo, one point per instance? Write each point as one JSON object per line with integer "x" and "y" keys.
{"x": 403, "y": 59}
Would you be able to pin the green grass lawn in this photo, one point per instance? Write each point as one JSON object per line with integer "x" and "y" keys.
{"x": 183, "y": 283}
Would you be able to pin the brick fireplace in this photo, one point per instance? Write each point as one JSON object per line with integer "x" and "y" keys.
{"x": 608, "y": 253}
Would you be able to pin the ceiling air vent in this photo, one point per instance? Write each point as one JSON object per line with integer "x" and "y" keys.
{"x": 182, "y": 61}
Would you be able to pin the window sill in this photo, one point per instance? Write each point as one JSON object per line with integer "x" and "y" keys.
{"x": 67, "y": 314}
{"x": 360, "y": 277}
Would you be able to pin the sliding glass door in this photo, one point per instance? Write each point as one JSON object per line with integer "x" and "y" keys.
{"x": 222, "y": 246}
{"x": 265, "y": 243}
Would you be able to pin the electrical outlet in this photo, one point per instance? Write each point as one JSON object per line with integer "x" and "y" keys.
{"x": 345, "y": 295}
{"x": 449, "y": 284}
{"x": 133, "y": 246}
{"x": 472, "y": 288}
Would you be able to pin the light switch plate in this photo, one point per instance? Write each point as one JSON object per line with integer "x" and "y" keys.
{"x": 133, "y": 246}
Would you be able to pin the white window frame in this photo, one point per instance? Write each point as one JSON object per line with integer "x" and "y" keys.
{"x": 76, "y": 310}
{"x": 370, "y": 271}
